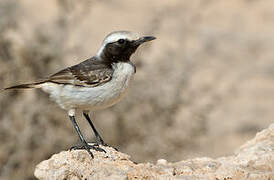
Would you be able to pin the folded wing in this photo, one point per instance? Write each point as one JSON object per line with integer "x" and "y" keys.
{"x": 88, "y": 73}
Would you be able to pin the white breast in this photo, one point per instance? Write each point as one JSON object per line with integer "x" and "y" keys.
{"x": 93, "y": 98}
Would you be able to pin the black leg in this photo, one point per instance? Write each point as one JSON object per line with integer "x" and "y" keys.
{"x": 85, "y": 144}
{"x": 99, "y": 139}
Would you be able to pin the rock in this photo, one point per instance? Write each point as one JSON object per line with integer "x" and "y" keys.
{"x": 253, "y": 160}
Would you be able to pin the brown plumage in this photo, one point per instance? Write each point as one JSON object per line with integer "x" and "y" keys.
{"x": 91, "y": 72}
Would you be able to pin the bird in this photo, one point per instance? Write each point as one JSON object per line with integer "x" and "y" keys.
{"x": 96, "y": 83}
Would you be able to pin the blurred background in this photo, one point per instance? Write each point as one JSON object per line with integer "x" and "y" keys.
{"x": 204, "y": 87}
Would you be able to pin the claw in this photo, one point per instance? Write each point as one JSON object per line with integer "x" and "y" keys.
{"x": 106, "y": 145}
{"x": 88, "y": 147}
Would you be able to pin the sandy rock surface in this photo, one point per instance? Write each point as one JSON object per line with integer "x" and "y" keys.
{"x": 253, "y": 160}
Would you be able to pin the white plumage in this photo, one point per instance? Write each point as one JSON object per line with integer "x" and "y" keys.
{"x": 71, "y": 97}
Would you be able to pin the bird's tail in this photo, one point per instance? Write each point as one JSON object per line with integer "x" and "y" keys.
{"x": 26, "y": 86}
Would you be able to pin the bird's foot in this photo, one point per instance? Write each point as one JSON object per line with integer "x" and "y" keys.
{"x": 88, "y": 147}
{"x": 107, "y": 145}
{"x": 100, "y": 141}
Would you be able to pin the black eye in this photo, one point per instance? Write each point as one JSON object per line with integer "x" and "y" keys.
{"x": 121, "y": 41}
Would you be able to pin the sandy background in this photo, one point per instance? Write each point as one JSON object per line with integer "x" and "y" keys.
{"x": 203, "y": 88}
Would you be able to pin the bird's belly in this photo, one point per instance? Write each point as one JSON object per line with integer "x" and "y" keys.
{"x": 92, "y": 98}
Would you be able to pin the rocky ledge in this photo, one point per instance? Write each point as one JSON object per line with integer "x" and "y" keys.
{"x": 253, "y": 160}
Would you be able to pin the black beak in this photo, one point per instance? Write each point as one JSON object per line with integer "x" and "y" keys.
{"x": 144, "y": 39}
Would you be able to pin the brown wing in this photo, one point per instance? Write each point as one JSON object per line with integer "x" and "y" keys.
{"x": 88, "y": 73}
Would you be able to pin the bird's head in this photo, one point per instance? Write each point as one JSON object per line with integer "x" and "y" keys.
{"x": 120, "y": 45}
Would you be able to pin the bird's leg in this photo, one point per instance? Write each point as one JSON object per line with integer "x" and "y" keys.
{"x": 99, "y": 139}
{"x": 85, "y": 144}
